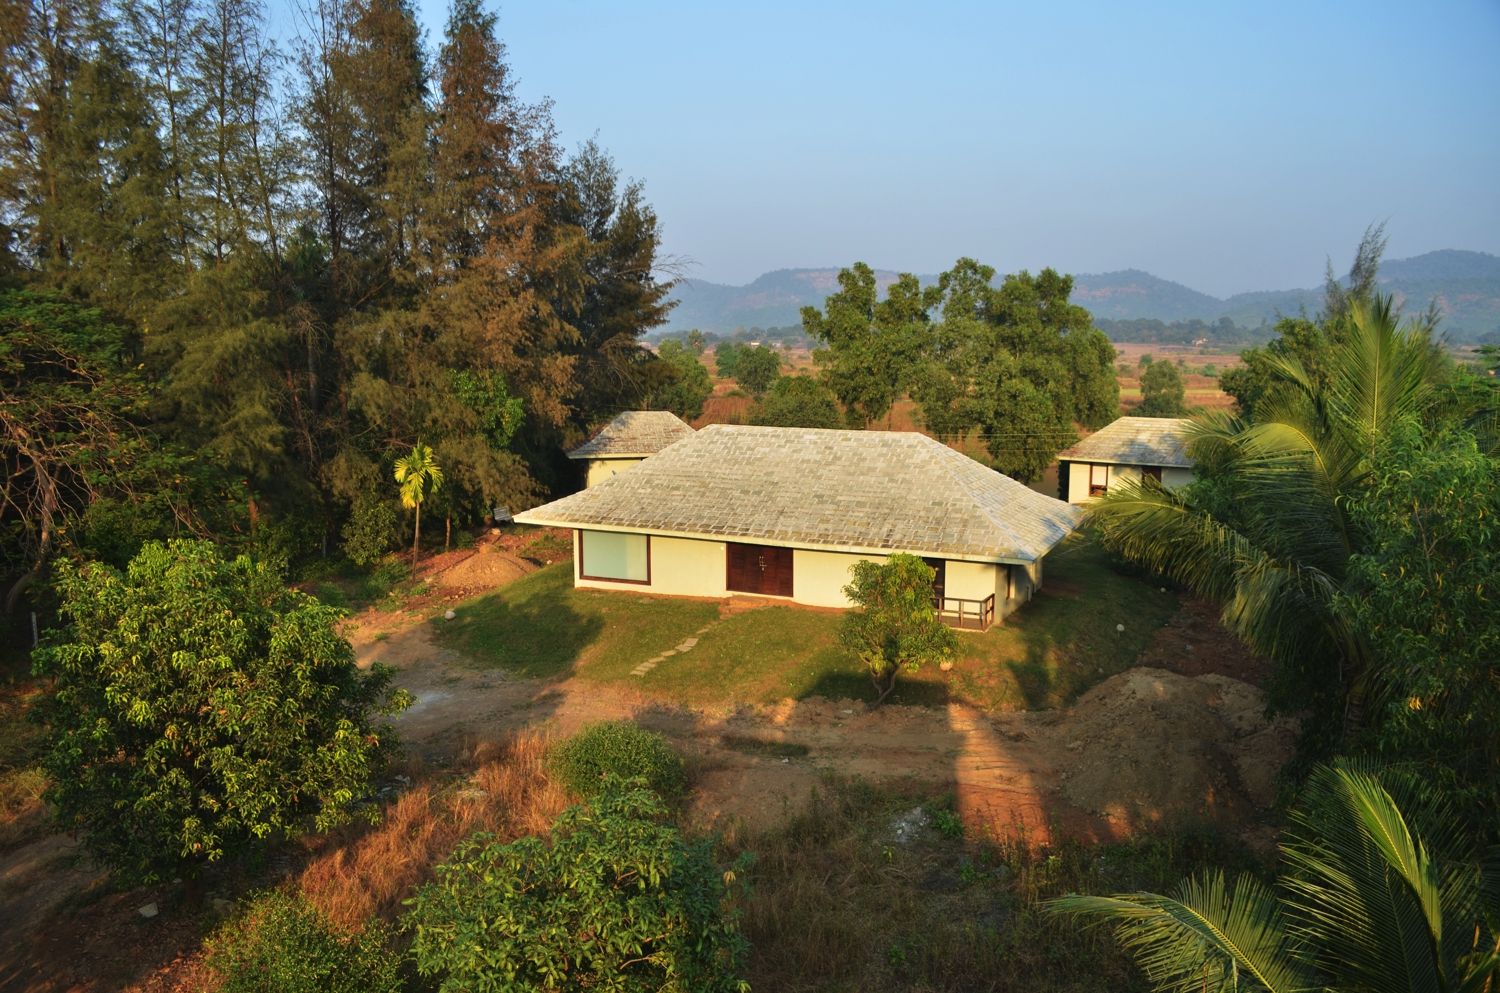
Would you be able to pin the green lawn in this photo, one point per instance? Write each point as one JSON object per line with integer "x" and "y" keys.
{"x": 1044, "y": 655}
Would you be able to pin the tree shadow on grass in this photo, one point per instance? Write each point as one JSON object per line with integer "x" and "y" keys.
{"x": 1036, "y": 675}
{"x": 536, "y": 638}
{"x": 858, "y": 686}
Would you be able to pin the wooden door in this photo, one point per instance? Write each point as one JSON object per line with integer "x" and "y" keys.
{"x": 761, "y": 569}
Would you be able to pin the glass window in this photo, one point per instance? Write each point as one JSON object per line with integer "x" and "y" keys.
{"x": 624, "y": 558}
{"x": 1098, "y": 480}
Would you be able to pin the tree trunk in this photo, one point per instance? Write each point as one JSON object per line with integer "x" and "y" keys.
{"x": 447, "y": 532}
{"x": 416, "y": 540}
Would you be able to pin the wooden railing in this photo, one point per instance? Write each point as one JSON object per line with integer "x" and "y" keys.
{"x": 968, "y": 615}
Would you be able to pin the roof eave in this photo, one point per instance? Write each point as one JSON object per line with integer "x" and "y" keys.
{"x": 1117, "y": 461}
{"x": 1014, "y": 558}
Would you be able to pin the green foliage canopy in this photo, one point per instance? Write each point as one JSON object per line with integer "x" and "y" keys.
{"x": 1421, "y": 593}
{"x": 200, "y": 707}
{"x": 615, "y": 900}
{"x": 894, "y": 625}
{"x": 1162, "y": 392}
{"x": 756, "y": 369}
{"x": 798, "y": 402}
{"x": 689, "y": 386}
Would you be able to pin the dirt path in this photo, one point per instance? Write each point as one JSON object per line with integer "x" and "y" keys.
{"x": 1148, "y": 747}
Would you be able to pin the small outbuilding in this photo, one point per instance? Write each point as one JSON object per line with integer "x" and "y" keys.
{"x": 1128, "y": 449}
{"x": 784, "y": 513}
{"x": 627, "y": 440}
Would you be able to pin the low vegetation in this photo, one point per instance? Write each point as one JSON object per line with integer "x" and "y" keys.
{"x": 613, "y": 899}
{"x": 839, "y": 903}
{"x": 280, "y": 943}
{"x": 616, "y": 751}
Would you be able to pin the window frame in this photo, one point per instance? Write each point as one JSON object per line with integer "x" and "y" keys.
{"x": 583, "y": 572}
{"x": 1098, "y": 489}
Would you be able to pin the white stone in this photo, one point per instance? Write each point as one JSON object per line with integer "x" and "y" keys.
{"x": 1119, "y": 627}
{"x": 448, "y": 615}
{"x": 148, "y": 911}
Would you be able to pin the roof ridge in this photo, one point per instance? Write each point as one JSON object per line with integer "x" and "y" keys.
{"x": 952, "y": 462}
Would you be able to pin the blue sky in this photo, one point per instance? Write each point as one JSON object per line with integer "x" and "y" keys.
{"x": 1227, "y": 146}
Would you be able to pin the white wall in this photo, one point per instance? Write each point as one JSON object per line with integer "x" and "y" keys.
{"x": 819, "y": 578}
{"x": 679, "y": 567}
{"x": 693, "y": 567}
{"x": 601, "y": 469}
{"x": 1079, "y": 475}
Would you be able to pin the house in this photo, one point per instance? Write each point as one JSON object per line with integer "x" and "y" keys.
{"x": 785, "y": 512}
{"x": 1128, "y": 449}
{"x": 626, "y": 440}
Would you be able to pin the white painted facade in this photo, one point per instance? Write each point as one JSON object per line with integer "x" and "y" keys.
{"x": 601, "y": 469}
{"x": 698, "y": 568}
{"x": 1083, "y": 476}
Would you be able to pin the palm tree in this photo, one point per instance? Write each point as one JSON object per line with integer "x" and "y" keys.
{"x": 1366, "y": 903}
{"x": 418, "y": 474}
{"x": 1266, "y": 532}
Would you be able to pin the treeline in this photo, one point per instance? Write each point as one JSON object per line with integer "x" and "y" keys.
{"x": 1150, "y": 331}
{"x": 1017, "y": 362}
{"x": 792, "y": 336}
{"x": 279, "y": 270}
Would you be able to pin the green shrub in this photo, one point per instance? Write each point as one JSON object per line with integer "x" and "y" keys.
{"x": 371, "y": 531}
{"x": 282, "y": 944}
{"x": 621, "y": 750}
{"x": 617, "y": 901}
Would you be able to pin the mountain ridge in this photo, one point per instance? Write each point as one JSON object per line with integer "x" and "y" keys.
{"x": 1464, "y": 284}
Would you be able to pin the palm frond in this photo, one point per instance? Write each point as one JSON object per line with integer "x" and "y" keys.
{"x": 1384, "y": 372}
{"x": 1363, "y": 889}
{"x": 1278, "y": 606}
{"x": 1205, "y": 938}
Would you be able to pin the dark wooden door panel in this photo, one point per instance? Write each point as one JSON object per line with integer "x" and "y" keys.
{"x": 761, "y": 569}
{"x": 776, "y": 571}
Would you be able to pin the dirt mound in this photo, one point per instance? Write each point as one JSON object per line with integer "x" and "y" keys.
{"x": 486, "y": 569}
{"x": 1151, "y": 747}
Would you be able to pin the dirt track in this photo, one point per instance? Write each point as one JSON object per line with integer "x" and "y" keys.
{"x": 1145, "y": 748}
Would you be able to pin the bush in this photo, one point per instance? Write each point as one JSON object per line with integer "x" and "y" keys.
{"x": 371, "y": 531}
{"x": 618, "y": 901}
{"x": 281, "y": 944}
{"x": 618, "y": 749}
{"x": 199, "y": 708}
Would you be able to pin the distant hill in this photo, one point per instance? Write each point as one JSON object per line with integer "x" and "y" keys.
{"x": 1465, "y": 285}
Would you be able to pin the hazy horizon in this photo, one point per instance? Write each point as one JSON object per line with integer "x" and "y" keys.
{"x": 1227, "y": 148}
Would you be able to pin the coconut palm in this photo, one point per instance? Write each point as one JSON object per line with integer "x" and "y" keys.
{"x": 1366, "y": 903}
{"x": 1266, "y": 532}
{"x": 418, "y": 474}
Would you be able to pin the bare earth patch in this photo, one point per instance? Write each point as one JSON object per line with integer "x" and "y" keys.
{"x": 1144, "y": 749}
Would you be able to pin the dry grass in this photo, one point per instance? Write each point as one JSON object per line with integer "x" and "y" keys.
{"x": 23, "y": 815}
{"x": 508, "y": 793}
{"x": 838, "y": 904}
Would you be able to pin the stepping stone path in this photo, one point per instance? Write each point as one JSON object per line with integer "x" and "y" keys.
{"x": 686, "y": 645}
